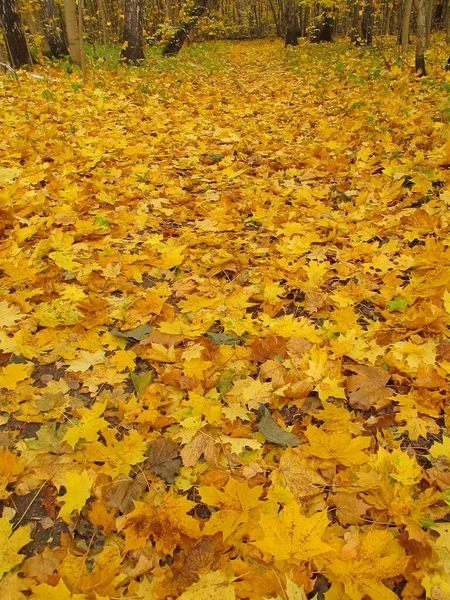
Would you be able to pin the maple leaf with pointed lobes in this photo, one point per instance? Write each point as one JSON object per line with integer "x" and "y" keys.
{"x": 167, "y": 524}
{"x": 13, "y": 374}
{"x": 78, "y": 486}
{"x": 289, "y": 535}
{"x": 361, "y": 567}
{"x": 57, "y": 592}
{"x": 340, "y": 447}
{"x": 11, "y": 543}
{"x": 89, "y": 426}
{"x": 234, "y": 506}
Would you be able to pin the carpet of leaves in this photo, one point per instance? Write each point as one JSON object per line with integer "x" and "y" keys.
{"x": 224, "y": 328}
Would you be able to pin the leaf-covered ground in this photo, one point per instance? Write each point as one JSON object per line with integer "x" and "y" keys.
{"x": 224, "y": 322}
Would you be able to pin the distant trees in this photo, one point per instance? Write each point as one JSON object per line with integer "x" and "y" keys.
{"x": 59, "y": 27}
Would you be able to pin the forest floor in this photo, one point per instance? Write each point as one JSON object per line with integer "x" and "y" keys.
{"x": 224, "y": 323}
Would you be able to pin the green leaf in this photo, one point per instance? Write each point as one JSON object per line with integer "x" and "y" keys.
{"x": 223, "y": 339}
{"x": 399, "y": 303}
{"x": 138, "y": 334}
{"x": 102, "y": 222}
{"x": 273, "y": 432}
{"x": 142, "y": 381}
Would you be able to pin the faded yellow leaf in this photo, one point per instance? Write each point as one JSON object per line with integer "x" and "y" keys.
{"x": 234, "y": 505}
{"x": 78, "y": 490}
{"x": 11, "y": 542}
{"x": 289, "y": 535}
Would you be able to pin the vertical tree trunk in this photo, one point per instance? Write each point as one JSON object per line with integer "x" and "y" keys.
{"x": 72, "y": 31}
{"x": 53, "y": 29}
{"x": 367, "y": 22}
{"x": 447, "y": 26}
{"x": 355, "y": 28}
{"x": 171, "y": 12}
{"x": 186, "y": 25}
{"x": 406, "y": 20}
{"x": 103, "y": 10}
{"x": 421, "y": 36}
{"x": 13, "y": 34}
{"x": 132, "y": 31}
{"x": 291, "y": 19}
{"x": 429, "y": 9}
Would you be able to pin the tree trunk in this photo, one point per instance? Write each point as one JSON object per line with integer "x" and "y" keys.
{"x": 171, "y": 12}
{"x": 429, "y": 9}
{"x": 447, "y": 26}
{"x": 53, "y": 29}
{"x": 132, "y": 49}
{"x": 187, "y": 23}
{"x": 355, "y": 26}
{"x": 15, "y": 41}
{"x": 72, "y": 31}
{"x": 406, "y": 20}
{"x": 291, "y": 19}
{"x": 421, "y": 36}
{"x": 367, "y": 22}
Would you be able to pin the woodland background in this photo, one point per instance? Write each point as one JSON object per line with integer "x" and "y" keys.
{"x": 56, "y": 29}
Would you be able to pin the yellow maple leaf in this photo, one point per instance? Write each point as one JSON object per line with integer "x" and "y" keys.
{"x": 11, "y": 543}
{"x": 78, "y": 490}
{"x": 166, "y": 524}
{"x": 289, "y": 535}
{"x": 415, "y": 355}
{"x": 360, "y": 569}
{"x": 9, "y": 314}
{"x": 213, "y": 585}
{"x": 117, "y": 455}
{"x": 89, "y": 426}
{"x": 234, "y": 506}
{"x": 441, "y": 449}
{"x": 57, "y": 592}
{"x": 86, "y": 360}
{"x": 11, "y": 466}
{"x": 13, "y": 373}
{"x": 330, "y": 388}
{"x": 340, "y": 446}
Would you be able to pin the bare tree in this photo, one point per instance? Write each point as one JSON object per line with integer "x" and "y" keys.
{"x": 16, "y": 43}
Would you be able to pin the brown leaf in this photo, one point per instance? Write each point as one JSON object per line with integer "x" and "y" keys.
{"x": 368, "y": 389}
{"x": 349, "y": 508}
{"x": 267, "y": 348}
{"x": 123, "y": 491}
{"x": 163, "y": 459}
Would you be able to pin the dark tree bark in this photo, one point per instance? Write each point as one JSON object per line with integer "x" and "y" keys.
{"x": 187, "y": 23}
{"x": 14, "y": 35}
{"x": 53, "y": 28}
{"x": 132, "y": 30}
{"x": 323, "y": 32}
{"x": 291, "y": 19}
{"x": 367, "y": 22}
